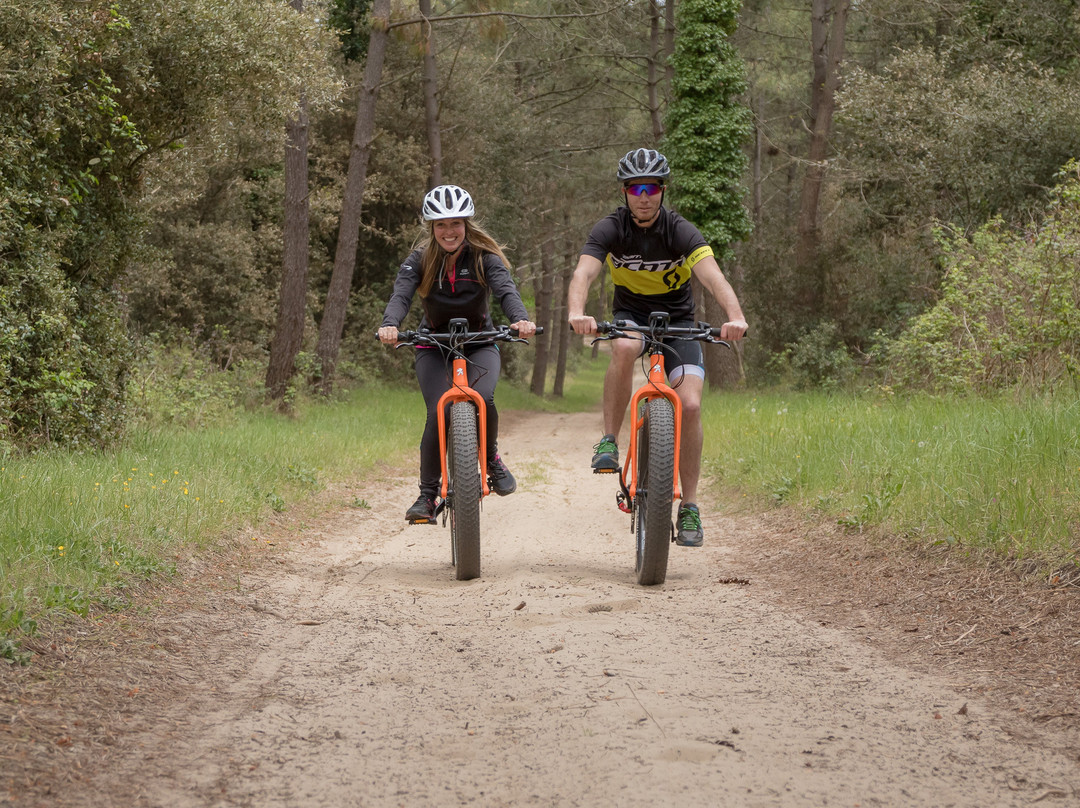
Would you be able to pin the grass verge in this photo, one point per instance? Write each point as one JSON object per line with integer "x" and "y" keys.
{"x": 999, "y": 475}
{"x": 79, "y": 529}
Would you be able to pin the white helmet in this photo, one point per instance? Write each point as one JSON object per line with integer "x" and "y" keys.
{"x": 447, "y": 202}
{"x": 643, "y": 164}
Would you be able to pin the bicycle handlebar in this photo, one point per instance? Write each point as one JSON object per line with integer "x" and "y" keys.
{"x": 658, "y": 330}
{"x": 502, "y": 333}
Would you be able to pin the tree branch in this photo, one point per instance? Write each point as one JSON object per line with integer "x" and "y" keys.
{"x": 448, "y": 17}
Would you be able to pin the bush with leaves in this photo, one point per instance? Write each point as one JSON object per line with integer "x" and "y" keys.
{"x": 708, "y": 125}
{"x": 91, "y": 92}
{"x": 1009, "y": 312}
{"x": 66, "y": 148}
{"x": 820, "y": 359}
{"x": 928, "y": 138}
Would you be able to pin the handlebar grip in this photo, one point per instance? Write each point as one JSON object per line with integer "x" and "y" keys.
{"x": 514, "y": 331}
{"x": 715, "y": 332}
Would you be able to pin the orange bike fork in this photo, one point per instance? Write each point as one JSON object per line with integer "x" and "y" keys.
{"x": 655, "y": 387}
{"x": 460, "y": 391}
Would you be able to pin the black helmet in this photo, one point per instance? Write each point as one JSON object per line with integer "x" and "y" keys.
{"x": 641, "y": 164}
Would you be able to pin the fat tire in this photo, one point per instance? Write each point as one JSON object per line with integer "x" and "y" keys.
{"x": 655, "y": 477}
{"x": 462, "y": 451}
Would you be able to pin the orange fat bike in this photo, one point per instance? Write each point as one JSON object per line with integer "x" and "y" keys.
{"x": 462, "y": 440}
{"x": 648, "y": 480}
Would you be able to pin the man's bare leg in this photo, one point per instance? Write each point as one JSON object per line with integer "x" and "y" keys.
{"x": 689, "y": 389}
{"x": 618, "y": 383}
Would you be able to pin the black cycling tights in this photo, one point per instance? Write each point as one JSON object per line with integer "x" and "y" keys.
{"x": 433, "y": 373}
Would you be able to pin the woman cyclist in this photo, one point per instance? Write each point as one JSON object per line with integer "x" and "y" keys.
{"x": 455, "y": 268}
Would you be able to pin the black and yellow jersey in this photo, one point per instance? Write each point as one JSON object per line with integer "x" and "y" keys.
{"x": 650, "y": 267}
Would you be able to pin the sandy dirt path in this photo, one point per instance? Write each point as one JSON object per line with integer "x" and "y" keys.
{"x": 357, "y": 672}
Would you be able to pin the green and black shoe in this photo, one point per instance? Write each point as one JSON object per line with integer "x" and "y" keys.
{"x": 689, "y": 523}
{"x": 606, "y": 457}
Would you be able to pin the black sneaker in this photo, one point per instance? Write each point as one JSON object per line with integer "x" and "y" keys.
{"x": 606, "y": 457}
{"x": 689, "y": 523}
{"x": 423, "y": 510}
{"x": 500, "y": 480}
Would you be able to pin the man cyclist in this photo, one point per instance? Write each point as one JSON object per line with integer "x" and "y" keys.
{"x": 652, "y": 253}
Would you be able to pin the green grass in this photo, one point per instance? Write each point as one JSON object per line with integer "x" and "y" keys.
{"x": 78, "y": 530}
{"x": 999, "y": 475}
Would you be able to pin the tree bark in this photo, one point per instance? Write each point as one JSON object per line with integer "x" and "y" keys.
{"x": 755, "y": 164}
{"x": 603, "y": 308}
{"x": 669, "y": 40}
{"x": 565, "y": 332}
{"x": 654, "y": 70}
{"x": 337, "y": 296}
{"x": 292, "y": 297}
{"x": 828, "y": 52}
{"x": 431, "y": 98}
{"x": 545, "y": 291}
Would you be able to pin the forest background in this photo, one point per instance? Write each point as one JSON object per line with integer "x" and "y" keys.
{"x": 889, "y": 185}
{"x": 203, "y": 206}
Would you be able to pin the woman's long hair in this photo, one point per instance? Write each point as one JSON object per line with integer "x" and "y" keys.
{"x": 433, "y": 256}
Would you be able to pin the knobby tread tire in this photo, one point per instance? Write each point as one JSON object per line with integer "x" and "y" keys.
{"x": 656, "y": 484}
{"x": 464, "y": 471}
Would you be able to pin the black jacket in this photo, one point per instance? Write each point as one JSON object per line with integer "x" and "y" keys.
{"x": 457, "y": 292}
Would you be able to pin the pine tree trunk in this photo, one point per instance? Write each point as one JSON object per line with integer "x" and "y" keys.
{"x": 828, "y": 52}
{"x": 431, "y": 98}
{"x": 545, "y": 288}
{"x": 337, "y": 296}
{"x": 292, "y": 297}
{"x": 565, "y": 332}
{"x": 653, "y": 72}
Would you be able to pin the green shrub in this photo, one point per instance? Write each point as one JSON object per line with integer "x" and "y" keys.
{"x": 820, "y": 360}
{"x": 1009, "y": 312}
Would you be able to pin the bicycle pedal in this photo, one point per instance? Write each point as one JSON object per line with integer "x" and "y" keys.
{"x": 605, "y": 471}
{"x": 440, "y": 505}
{"x": 623, "y": 503}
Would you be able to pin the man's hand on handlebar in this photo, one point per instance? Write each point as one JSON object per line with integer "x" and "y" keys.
{"x": 734, "y": 330}
{"x": 583, "y": 324}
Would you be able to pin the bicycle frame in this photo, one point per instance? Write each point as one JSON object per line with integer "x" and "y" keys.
{"x": 655, "y": 387}
{"x": 461, "y": 391}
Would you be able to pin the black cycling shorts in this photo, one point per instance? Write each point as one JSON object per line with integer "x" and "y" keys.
{"x": 681, "y": 356}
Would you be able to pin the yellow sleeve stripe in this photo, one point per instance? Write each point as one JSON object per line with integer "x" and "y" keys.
{"x": 697, "y": 255}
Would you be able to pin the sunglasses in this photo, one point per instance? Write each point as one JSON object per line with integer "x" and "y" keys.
{"x": 648, "y": 188}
